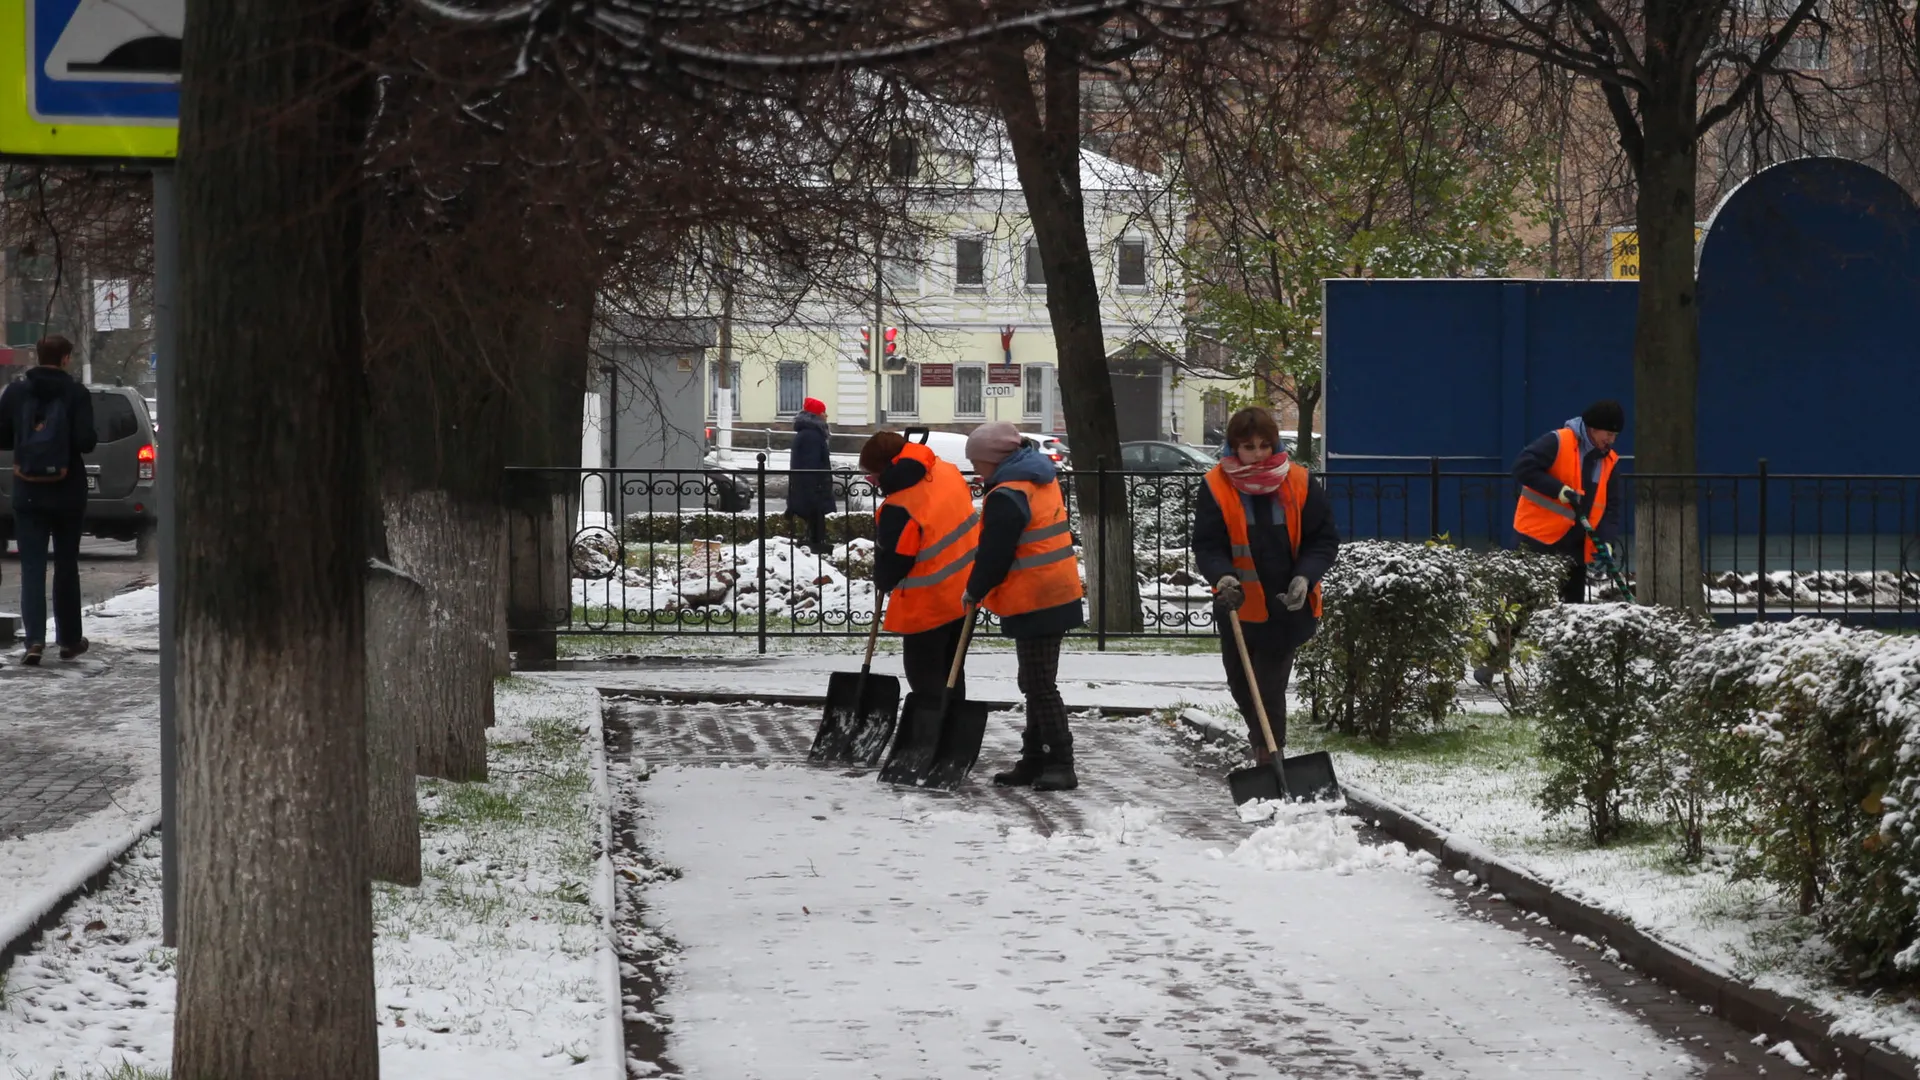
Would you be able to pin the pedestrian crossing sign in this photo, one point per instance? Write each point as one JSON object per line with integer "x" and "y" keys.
{"x": 91, "y": 78}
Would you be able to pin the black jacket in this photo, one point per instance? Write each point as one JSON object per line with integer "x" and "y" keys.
{"x": 1272, "y": 550}
{"x": 1534, "y": 469}
{"x": 810, "y": 495}
{"x": 46, "y": 382}
{"x": 890, "y": 568}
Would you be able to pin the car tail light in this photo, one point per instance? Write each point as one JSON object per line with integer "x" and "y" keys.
{"x": 146, "y": 462}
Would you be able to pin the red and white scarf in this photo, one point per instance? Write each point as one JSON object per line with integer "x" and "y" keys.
{"x": 1262, "y": 479}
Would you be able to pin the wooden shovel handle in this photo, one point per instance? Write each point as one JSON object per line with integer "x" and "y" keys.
{"x": 960, "y": 652}
{"x": 873, "y": 632}
{"x": 1253, "y": 683}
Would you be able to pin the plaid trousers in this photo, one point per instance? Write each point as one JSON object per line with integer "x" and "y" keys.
{"x": 1039, "y": 681}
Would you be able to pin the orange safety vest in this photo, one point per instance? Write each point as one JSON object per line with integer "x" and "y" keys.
{"x": 942, "y": 537}
{"x": 1045, "y": 574}
{"x": 1293, "y": 497}
{"x": 1545, "y": 518}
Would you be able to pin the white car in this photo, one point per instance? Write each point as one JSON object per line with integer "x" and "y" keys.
{"x": 951, "y": 446}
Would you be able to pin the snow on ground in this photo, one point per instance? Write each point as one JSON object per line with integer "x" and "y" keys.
{"x": 829, "y": 927}
{"x": 1492, "y": 799}
{"x": 131, "y": 619}
{"x": 493, "y": 968}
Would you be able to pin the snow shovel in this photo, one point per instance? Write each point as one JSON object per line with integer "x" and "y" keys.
{"x": 1307, "y": 776}
{"x": 1603, "y": 560}
{"x": 939, "y": 741}
{"x": 860, "y": 712}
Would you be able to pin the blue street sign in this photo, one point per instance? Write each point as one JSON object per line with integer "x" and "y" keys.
{"x": 91, "y": 78}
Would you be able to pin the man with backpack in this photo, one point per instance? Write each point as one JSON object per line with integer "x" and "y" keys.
{"x": 47, "y": 418}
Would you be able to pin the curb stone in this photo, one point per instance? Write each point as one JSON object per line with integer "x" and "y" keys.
{"x": 1750, "y": 1008}
{"x": 709, "y": 697}
{"x": 92, "y": 877}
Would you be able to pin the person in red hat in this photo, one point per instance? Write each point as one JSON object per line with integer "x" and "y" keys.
{"x": 810, "y": 485}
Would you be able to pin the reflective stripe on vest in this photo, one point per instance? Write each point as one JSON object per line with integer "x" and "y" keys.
{"x": 1292, "y": 497}
{"x": 942, "y": 537}
{"x": 1044, "y": 574}
{"x": 1542, "y": 517}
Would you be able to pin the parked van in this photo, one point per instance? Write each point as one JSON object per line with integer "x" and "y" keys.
{"x": 120, "y": 471}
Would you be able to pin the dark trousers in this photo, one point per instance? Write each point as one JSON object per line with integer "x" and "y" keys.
{"x": 817, "y": 536}
{"x": 33, "y": 529}
{"x": 1047, "y": 731}
{"x": 1573, "y": 587}
{"x": 928, "y": 657}
{"x": 1269, "y": 646}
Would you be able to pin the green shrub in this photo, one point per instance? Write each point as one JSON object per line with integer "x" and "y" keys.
{"x": 1393, "y": 642}
{"x": 1510, "y": 588}
{"x": 1605, "y": 672}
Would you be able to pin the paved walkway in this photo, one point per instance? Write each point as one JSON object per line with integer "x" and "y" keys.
{"x": 79, "y": 755}
{"x": 1369, "y": 974}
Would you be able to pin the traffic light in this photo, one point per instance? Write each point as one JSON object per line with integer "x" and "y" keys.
{"x": 895, "y": 351}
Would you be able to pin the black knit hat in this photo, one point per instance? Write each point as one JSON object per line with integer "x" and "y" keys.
{"x": 1605, "y": 416}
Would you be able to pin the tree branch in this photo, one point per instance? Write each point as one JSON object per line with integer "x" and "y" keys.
{"x": 1761, "y": 65}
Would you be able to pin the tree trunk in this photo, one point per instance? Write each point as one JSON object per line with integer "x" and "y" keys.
{"x": 452, "y": 550}
{"x": 1047, "y": 156}
{"x": 1666, "y": 356}
{"x": 502, "y": 656}
{"x": 398, "y": 705}
{"x": 1307, "y": 401}
{"x": 276, "y": 920}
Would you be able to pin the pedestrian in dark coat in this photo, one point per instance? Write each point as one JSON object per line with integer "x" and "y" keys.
{"x": 50, "y": 509}
{"x": 1282, "y": 523}
{"x": 810, "y": 494}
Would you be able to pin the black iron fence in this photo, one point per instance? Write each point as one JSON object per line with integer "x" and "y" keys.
{"x": 713, "y": 551}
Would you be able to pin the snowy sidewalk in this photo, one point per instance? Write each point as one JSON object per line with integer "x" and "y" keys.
{"x": 827, "y": 926}
{"x": 1087, "y": 679}
{"x": 79, "y": 758}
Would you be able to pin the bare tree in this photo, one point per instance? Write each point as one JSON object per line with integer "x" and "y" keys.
{"x": 276, "y": 939}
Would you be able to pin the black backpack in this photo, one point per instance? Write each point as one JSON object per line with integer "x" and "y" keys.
{"x": 43, "y": 453}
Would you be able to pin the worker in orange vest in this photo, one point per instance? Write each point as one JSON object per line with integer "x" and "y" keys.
{"x": 1565, "y": 474}
{"x": 1027, "y": 574}
{"x": 1263, "y": 534}
{"x": 925, "y": 533}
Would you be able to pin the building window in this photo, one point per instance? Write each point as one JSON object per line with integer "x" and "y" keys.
{"x": 1036, "y": 270}
{"x": 969, "y": 391}
{"x": 1807, "y": 51}
{"x": 713, "y": 388}
{"x": 903, "y": 392}
{"x": 969, "y": 262}
{"x": 1033, "y": 379}
{"x": 1132, "y": 257}
{"x": 902, "y": 266}
{"x": 792, "y": 392}
{"x": 903, "y": 157}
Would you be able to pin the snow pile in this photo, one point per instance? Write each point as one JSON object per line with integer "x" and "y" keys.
{"x": 1314, "y": 839}
{"x": 716, "y": 581}
{"x": 131, "y": 619}
{"x": 1818, "y": 588}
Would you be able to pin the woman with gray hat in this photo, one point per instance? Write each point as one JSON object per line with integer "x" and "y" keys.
{"x": 1025, "y": 572}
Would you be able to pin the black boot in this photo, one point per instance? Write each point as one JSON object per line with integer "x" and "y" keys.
{"x": 1026, "y": 770}
{"x": 1057, "y": 775}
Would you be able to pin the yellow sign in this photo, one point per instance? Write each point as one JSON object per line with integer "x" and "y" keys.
{"x": 1623, "y": 253}
{"x": 91, "y": 78}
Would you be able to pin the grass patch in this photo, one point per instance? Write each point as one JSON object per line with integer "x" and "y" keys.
{"x": 1476, "y": 741}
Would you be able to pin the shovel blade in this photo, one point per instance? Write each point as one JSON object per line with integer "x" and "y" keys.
{"x": 857, "y": 721}
{"x": 1257, "y": 782}
{"x": 961, "y": 733}
{"x": 916, "y": 742}
{"x": 1310, "y": 777}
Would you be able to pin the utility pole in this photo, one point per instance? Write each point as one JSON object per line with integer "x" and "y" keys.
{"x": 876, "y": 340}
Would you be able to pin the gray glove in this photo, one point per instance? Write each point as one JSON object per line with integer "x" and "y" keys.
{"x": 1227, "y": 593}
{"x": 1296, "y": 595}
{"x": 1569, "y": 496}
{"x": 967, "y": 599}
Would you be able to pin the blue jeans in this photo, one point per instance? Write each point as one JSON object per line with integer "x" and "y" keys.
{"x": 33, "y": 529}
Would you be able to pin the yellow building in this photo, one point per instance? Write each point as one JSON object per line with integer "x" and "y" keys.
{"x": 968, "y": 301}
